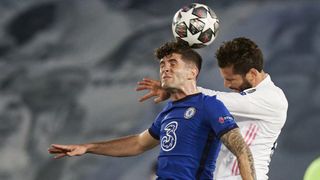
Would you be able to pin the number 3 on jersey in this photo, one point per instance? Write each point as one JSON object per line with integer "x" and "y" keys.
{"x": 169, "y": 140}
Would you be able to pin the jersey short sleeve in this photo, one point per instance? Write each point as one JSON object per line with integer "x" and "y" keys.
{"x": 155, "y": 128}
{"x": 220, "y": 119}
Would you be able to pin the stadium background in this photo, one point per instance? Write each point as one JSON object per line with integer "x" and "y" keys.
{"x": 69, "y": 70}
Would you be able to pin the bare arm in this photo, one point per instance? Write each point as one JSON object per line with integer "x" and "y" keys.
{"x": 121, "y": 147}
{"x": 234, "y": 141}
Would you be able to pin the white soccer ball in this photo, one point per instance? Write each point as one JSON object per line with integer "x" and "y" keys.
{"x": 196, "y": 25}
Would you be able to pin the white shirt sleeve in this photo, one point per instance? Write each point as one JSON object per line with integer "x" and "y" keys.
{"x": 207, "y": 92}
{"x": 236, "y": 103}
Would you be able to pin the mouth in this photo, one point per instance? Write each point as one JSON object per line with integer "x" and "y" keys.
{"x": 165, "y": 77}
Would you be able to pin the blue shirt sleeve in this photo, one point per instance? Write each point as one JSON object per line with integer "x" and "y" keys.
{"x": 220, "y": 119}
{"x": 155, "y": 128}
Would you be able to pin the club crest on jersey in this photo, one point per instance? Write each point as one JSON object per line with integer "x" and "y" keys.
{"x": 190, "y": 112}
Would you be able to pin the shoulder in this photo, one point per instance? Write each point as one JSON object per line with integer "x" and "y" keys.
{"x": 271, "y": 89}
{"x": 207, "y": 99}
{"x": 165, "y": 110}
{"x": 208, "y": 92}
{"x": 269, "y": 95}
{"x": 276, "y": 97}
{"x": 211, "y": 102}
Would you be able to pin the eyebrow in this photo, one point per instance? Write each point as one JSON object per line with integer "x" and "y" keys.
{"x": 169, "y": 60}
{"x": 229, "y": 79}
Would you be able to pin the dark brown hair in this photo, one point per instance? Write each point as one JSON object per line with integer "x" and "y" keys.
{"x": 186, "y": 52}
{"x": 240, "y": 53}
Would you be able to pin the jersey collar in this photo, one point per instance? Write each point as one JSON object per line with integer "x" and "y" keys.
{"x": 186, "y": 98}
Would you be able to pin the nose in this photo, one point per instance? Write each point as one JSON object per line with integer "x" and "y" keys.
{"x": 165, "y": 68}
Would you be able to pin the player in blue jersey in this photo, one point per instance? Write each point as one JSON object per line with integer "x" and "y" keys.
{"x": 258, "y": 105}
{"x": 189, "y": 129}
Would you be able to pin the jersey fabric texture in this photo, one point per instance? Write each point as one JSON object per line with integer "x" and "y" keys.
{"x": 189, "y": 132}
{"x": 260, "y": 113}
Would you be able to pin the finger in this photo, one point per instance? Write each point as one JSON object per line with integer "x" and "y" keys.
{"x": 74, "y": 153}
{"x": 144, "y": 83}
{"x": 61, "y": 147}
{"x": 152, "y": 82}
{"x": 54, "y": 151}
{"x": 59, "y": 156}
{"x": 143, "y": 87}
{"x": 147, "y": 79}
{"x": 147, "y": 96}
{"x": 70, "y": 153}
{"x": 158, "y": 100}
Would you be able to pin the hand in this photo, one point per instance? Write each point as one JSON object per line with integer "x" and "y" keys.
{"x": 154, "y": 90}
{"x": 67, "y": 150}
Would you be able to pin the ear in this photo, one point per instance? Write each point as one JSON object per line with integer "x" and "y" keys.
{"x": 252, "y": 75}
{"x": 194, "y": 72}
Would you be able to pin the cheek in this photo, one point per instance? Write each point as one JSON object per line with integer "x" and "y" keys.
{"x": 179, "y": 77}
{"x": 239, "y": 82}
{"x": 180, "y": 74}
{"x": 236, "y": 83}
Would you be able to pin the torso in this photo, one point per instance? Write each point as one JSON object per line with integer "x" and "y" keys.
{"x": 190, "y": 141}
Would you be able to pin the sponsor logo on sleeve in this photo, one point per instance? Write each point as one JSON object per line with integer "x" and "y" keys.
{"x": 248, "y": 91}
{"x": 225, "y": 119}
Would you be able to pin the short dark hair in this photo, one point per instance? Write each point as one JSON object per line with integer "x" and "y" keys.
{"x": 186, "y": 52}
{"x": 240, "y": 53}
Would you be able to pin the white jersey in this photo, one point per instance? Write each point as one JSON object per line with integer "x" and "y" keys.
{"x": 260, "y": 113}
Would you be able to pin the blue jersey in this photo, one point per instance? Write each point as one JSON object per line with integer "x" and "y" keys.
{"x": 189, "y": 132}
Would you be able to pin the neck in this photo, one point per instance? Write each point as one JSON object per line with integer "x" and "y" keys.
{"x": 186, "y": 90}
{"x": 260, "y": 77}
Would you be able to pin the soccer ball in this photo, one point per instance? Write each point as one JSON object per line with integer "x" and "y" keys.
{"x": 196, "y": 25}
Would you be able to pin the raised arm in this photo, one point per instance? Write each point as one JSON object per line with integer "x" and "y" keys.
{"x": 154, "y": 88}
{"x": 234, "y": 141}
{"x": 120, "y": 147}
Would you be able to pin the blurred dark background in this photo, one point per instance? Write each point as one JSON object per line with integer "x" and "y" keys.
{"x": 69, "y": 71}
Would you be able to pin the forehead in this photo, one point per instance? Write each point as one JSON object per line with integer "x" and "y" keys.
{"x": 173, "y": 56}
{"x": 228, "y": 72}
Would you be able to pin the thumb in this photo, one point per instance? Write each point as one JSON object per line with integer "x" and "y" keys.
{"x": 72, "y": 153}
{"x": 157, "y": 100}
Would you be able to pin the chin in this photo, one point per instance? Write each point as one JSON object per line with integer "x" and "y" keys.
{"x": 165, "y": 86}
{"x": 168, "y": 86}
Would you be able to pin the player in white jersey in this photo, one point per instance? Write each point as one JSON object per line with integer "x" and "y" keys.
{"x": 258, "y": 106}
{"x": 260, "y": 113}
